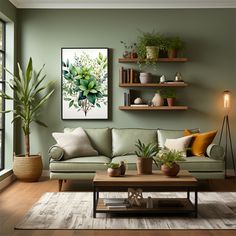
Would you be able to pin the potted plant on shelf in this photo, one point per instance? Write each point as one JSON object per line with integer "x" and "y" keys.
{"x": 173, "y": 45}
{"x": 168, "y": 158}
{"x": 145, "y": 155}
{"x": 170, "y": 95}
{"x": 113, "y": 169}
{"x": 148, "y": 46}
{"x": 28, "y": 99}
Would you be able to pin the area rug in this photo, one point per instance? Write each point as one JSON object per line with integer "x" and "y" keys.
{"x": 73, "y": 210}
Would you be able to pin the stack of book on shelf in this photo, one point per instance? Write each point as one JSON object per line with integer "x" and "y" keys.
{"x": 128, "y": 76}
{"x": 174, "y": 82}
{"x": 116, "y": 203}
{"x": 126, "y": 99}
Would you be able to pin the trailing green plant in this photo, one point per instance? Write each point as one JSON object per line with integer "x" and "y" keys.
{"x": 174, "y": 43}
{"x": 168, "y": 93}
{"x": 30, "y": 96}
{"x": 169, "y": 157}
{"x": 112, "y": 165}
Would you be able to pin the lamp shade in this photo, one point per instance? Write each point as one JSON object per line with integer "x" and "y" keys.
{"x": 227, "y": 99}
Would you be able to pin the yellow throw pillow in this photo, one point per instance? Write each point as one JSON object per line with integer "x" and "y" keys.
{"x": 200, "y": 141}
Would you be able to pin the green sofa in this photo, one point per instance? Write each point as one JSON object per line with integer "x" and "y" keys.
{"x": 114, "y": 145}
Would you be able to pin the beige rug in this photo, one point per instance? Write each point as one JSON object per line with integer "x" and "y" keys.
{"x": 73, "y": 210}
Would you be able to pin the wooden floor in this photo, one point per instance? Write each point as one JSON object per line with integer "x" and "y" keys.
{"x": 18, "y": 198}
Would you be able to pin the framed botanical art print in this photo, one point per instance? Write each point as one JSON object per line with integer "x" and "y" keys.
{"x": 84, "y": 83}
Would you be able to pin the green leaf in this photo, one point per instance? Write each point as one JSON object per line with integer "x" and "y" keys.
{"x": 82, "y": 87}
{"x": 93, "y": 91}
{"x": 98, "y": 105}
{"x": 71, "y": 103}
{"x": 100, "y": 56}
{"x": 84, "y": 82}
{"x": 92, "y": 98}
{"x": 91, "y": 84}
{"x": 41, "y": 123}
{"x": 86, "y": 93}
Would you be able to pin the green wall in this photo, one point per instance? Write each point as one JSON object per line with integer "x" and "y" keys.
{"x": 210, "y": 37}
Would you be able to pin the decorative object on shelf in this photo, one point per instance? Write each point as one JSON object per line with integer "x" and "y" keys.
{"x": 149, "y": 202}
{"x": 138, "y": 101}
{"x": 28, "y": 89}
{"x": 148, "y": 45}
{"x": 127, "y": 99}
{"x": 178, "y": 77}
{"x": 173, "y": 45}
{"x": 145, "y": 155}
{"x": 162, "y": 79}
{"x": 135, "y": 196}
{"x": 130, "y": 50}
{"x": 157, "y": 100}
{"x": 170, "y": 95}
{"x": 122, "y": 168}
{"x": 84, "y": 83}
{"x": 225, "y": 128}
{"x": 145, "y": 78}
{"x": 168, "y": 158}
{"x": 113, "y": 169}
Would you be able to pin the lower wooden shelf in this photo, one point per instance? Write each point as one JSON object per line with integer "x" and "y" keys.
{"x": 145, "y": 108}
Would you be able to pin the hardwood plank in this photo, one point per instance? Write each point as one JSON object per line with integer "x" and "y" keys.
{"x": 155, "y": 85}
{"x": 143, "y": 108}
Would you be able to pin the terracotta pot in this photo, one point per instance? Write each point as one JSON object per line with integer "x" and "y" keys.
{"x": 172, "y": 53}
{"x": 172, "y": 172}
{"x": 113, "y": 172}
{"x": 28, "y": 169}
{"x": 144, "y": 165}
{"x": 170, "y": 102}
{"x": 152, "y": 52}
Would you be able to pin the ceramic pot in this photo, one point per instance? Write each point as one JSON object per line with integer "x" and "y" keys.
{"x": 157, "y": 100}
{"x": 113, "y": 172}
{"x": 170, "y": 102}
{"x": 144, "y": 165}
{"x": 172, "y": 172}
{"x": 172, "y": 53}
{"x": 152, "y": 52}
{"x": 28, "y": 169}
{"x": 145, "y": 78}
{"x": 122, "y": 168}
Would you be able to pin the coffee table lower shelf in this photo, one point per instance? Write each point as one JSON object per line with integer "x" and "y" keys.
{"x": 160, "y": 206}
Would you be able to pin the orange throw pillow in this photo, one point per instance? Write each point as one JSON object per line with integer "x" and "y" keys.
{"x": 200, "y": 141}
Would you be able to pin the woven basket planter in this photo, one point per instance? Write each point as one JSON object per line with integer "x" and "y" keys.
{"x": 28, "y": 169}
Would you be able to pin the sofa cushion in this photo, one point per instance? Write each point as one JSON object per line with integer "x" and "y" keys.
{"x": 80, "y": 164}
{"x": 163, "y": 134}
{"x": 100, "y": 138}
{"x": 203, "y": 164}
{"x": 75, "y": 144}
{"x": 123, "y": 140}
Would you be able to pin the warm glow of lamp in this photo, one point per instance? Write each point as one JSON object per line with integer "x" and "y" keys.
{"x": 227, "y": 99}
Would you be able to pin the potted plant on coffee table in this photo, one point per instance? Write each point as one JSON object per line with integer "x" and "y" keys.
{"x": 29, "y": 96}
{"x": 113, "y": 169}
{"x": 145, "y": 155}
{"x": 168, "y": 160}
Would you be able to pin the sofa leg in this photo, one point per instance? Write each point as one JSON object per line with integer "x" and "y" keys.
{"x": 60, "y": 181}
{"x": 65, "y": 180}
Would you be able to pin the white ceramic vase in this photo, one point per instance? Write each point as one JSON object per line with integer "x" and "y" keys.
{"x": 157, "y": 100}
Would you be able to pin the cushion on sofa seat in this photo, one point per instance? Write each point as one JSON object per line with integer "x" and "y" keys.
{"x": 163, "y": 134}
{"x": 123, "y": 140}
{"x": 100, "y": 139}
{"x": 92, "y": 163}
{"x": 203, "y": 164}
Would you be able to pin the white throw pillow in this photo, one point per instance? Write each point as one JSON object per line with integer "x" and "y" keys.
{"x": 179, "y": 144}
{"x": 75, "y": 144}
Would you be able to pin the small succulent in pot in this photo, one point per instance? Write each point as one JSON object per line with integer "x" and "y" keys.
{"x": 173, "y": 45}
{"x": 113, "y": 169}
{"x": 145, "y": 155}
{"x": 168, "y": 160}
{"x": 170, "y": 95}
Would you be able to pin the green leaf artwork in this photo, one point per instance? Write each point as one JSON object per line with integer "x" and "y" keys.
{"x": 85, "y": 83}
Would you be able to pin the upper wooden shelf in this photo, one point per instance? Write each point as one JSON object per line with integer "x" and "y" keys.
{"x": 135, "y": 60}
{"x": 178, "y": 84}
{"x": 142, "y": 108}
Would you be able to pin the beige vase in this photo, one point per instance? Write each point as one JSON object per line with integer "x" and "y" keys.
{"x": 157, "y": 100}
{"x": 152, "y": 52}
{"x": 28, "y": 169}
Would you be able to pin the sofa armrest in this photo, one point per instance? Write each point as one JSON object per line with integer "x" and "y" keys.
{"x": 215, "y": 151}
{"x": 56, "y": 153}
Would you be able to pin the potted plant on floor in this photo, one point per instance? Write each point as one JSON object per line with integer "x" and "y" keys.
{"x": 30, "y": 96}
{"x": 168, "y": 160}
{"x": 145, "y": 155}
{"x": 170, "y": 95}
{"x": 173, "y": 45}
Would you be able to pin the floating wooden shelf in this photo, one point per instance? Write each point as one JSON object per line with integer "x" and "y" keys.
{"x": 135, "y": 60}
{"x": 155, "y": 85}
{"x": 145, "y": 108}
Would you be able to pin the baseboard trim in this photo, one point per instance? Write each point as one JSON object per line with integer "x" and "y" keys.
{"x": 7, "y": 181}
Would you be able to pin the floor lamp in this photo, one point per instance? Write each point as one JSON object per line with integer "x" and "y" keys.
{"x": 226, "y": 129}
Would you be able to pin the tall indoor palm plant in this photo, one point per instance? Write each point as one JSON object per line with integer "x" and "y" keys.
{"x": 29, "y": 96}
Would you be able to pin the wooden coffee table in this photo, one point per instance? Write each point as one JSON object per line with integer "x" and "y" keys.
{"x": 157, "y": 182}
